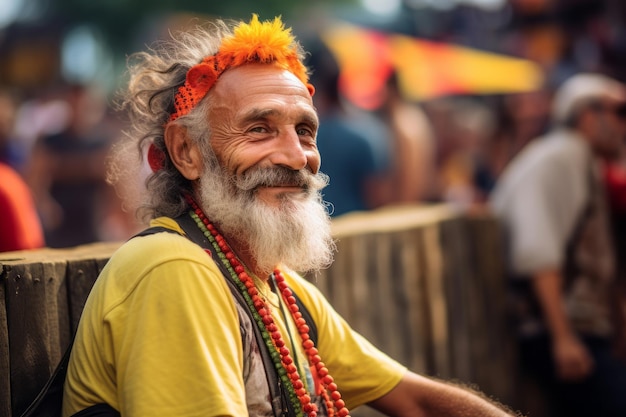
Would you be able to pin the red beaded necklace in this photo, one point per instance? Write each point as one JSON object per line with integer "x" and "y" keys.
{"x": 297, "y": 391}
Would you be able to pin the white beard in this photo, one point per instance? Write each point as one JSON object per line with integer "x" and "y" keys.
{"x": 296, "y": 233}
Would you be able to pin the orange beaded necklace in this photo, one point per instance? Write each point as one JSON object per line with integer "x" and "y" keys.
{"x": 287, "y": 370}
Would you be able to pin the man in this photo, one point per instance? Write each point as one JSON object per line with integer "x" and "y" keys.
{"x": 226, "y": 327}
{"x": 553, "y": 207}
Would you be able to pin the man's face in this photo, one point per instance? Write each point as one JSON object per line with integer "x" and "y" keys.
{"x": 609, "y": 127}
{"x": 261, "y": 182}
{"x": 264, "y": 118}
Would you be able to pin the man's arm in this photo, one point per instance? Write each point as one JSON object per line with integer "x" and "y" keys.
{"x": 418, "y": 396}
{"x": 571, "y": 358}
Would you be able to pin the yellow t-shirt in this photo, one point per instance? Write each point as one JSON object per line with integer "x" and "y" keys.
{"x": 160, "y": 336}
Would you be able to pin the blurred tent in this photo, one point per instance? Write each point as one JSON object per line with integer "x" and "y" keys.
{"x": 424, "y": 69}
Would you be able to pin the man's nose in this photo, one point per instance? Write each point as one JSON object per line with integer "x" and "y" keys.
{"x": 289, "y": 151}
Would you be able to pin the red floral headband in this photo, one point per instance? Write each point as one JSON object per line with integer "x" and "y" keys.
{"x": 254, "y": 42}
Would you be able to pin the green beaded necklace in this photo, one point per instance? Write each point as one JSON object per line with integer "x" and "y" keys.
{"x": 280, "y": 354}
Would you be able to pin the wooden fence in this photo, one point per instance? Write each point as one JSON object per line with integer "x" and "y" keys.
{"x": 424, "y": 284}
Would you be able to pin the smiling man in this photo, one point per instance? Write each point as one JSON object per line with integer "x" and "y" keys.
{"x": 204, "y": 314}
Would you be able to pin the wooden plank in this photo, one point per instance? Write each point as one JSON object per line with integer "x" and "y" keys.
{"x": 412, "y": 322}
{"x": 436, "y": 303}
{"x": 81, "y": 275}
{"x": 343, "y": 278}
{"x": 28, "y": 333}
{"x": 479, "y": 322}
{"x": 477, "y": 308}
{"x": 53, "y": 277}
{"x": 356, "y": 287}
{"x": 5, "y": 364}
{"x": 499, "y": 340}
{"x": 383, "y": 303}
{"x": 460, "y": 293}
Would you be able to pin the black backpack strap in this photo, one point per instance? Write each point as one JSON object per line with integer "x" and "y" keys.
{"x": 152, "y": 230}
{"x": 49, "y": 400}
{"x": 98, "y": 410}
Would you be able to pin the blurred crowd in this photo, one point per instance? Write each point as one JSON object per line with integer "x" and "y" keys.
{"x": 445, "y": 149}
{"x": 549, "y": 163}
{"x": 54, "y": 148}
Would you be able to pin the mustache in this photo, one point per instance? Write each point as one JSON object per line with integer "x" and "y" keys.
{"x": 280, "y": 176}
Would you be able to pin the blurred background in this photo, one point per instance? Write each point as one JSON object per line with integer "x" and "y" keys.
{"x": 454, "y": 87}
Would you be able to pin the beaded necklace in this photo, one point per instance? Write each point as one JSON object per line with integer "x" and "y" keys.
{"x": 261, "y": 311}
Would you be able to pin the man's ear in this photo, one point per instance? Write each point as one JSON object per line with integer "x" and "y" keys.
{"x": 184, "y": 152}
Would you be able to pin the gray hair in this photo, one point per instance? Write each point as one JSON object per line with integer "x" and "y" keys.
{"x": 154, "y": 79}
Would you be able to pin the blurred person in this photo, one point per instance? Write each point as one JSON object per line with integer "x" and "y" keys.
{"x": 11, "y": 152}
{"x": 206, "y": 315}
{"x": 67, "y": 171}
{"x": 615, "y": 179}
{"x": 464, "y": 171}
{"x": 354, "y": 146}
{"x": 412, "y": 144}
{"x": 520, "y": 118}
{"x": 20, "y": 226}
{"x": 553, "y": 206}
{"x": 614, "y": 175}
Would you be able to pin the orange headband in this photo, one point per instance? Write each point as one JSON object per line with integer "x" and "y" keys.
{"x": 254, "y": 42}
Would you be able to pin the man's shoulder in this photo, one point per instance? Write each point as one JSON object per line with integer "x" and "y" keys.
{"x": 143, "y": 253}
{"x": 162, "y": 260}
{"x": 551, "y": 154}
{"x": 566, "y": 143}
{"x": 163, "y": 238}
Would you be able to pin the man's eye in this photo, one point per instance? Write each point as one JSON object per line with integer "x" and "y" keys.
{"x": 304, "y": 131}
{"x": 258, "y": 129}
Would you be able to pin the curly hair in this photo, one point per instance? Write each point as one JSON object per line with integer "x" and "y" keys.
{"x": 154, "y": 78}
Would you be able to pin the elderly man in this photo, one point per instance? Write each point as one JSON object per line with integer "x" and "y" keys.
{"x": 207, "y": 317}
{"x": 553, "y": 207}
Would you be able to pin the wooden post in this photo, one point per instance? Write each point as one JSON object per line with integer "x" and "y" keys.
{"x": 44, "y": 292}
{"x": 426, "y": 286}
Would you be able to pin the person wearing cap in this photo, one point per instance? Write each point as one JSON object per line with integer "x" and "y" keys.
{"x": 552, "y": 204}
{"x": 204, "y": 314}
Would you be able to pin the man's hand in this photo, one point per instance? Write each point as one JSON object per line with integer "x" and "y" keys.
{"x": 571, "y": 358}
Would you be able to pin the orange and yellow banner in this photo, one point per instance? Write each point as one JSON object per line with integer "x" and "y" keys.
{"x": 424, "y": 69}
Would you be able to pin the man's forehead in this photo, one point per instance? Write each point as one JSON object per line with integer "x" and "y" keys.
{"x": 259, "y": 76}
{"x": 261, "y": 91}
